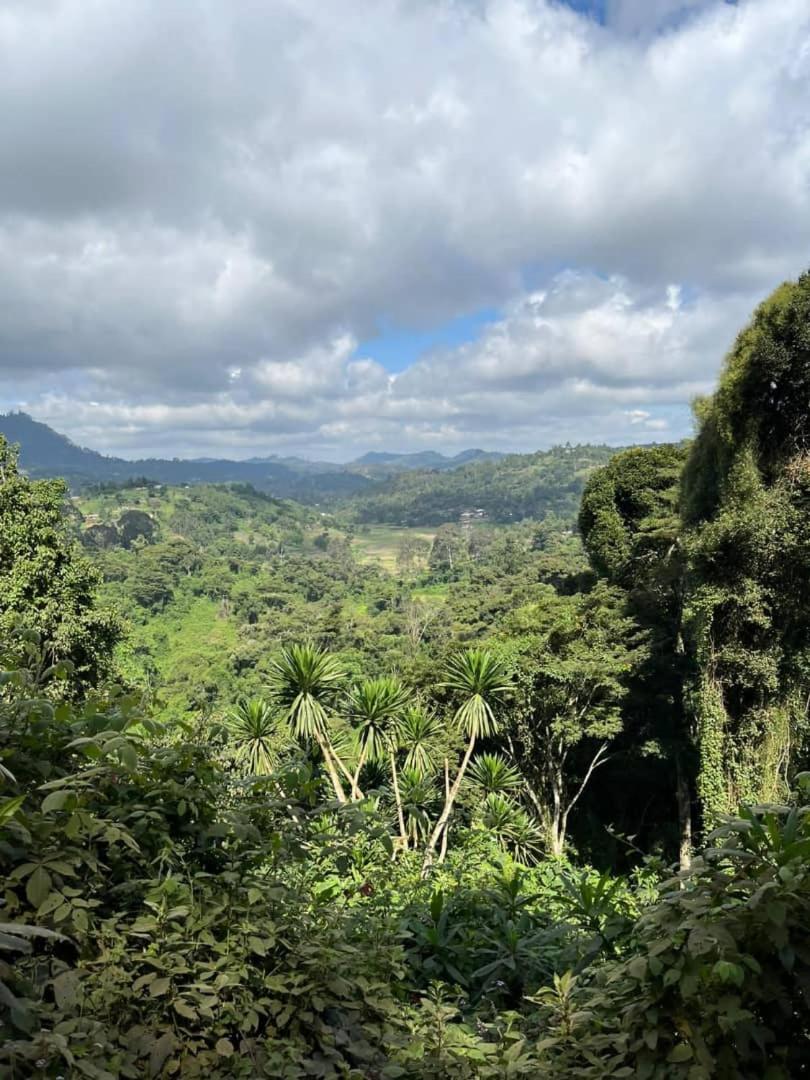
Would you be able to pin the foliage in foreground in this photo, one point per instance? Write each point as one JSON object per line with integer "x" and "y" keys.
{"x": 163, "y": 916}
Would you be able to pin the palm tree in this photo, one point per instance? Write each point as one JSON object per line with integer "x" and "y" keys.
{"x": 419, "y": 732}
{"x": 493, "y": 773}
{"x": 305, "y": 680}
{"x": 511, "y": 826}
{"x": 254, "y": 733}
{"x": 419, "y": 797}
{"x": 374, "y": 705}
{"x": 481, "y": 681}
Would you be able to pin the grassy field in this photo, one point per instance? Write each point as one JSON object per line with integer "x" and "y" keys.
{"x": 382, "y": 544}
{"x": 431, "y": 592}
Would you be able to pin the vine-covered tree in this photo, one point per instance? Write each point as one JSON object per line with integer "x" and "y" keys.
{"x": 746, "y": 505}
{"x": 46, "y": 582}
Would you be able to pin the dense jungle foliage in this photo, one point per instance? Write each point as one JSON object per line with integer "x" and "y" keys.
{"x": 286, "y": 794}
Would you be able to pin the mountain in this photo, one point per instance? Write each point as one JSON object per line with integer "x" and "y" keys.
{"x": 44, "y": 452}
{"x": 380, "y": 463}
{"x": 426, "y": 488}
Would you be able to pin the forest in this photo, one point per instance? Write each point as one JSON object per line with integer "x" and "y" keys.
{"x": 498, "y": 770}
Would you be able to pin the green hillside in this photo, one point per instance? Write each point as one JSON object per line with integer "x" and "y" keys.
{"x": 508, "y": 489}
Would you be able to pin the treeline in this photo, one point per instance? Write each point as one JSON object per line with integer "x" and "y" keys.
{"x": 510, "y": 489}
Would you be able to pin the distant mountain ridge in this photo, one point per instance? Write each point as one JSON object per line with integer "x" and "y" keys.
{"x": 45, "y": 452}
{"x": 382, "y": 462}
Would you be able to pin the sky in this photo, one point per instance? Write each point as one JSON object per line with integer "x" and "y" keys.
{"x": 290, "y": 226}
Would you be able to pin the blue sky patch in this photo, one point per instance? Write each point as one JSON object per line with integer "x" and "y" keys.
{"x": 396, "y": 347}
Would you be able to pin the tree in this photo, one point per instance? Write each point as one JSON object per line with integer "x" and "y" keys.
{"x": 304, "y": 681}
{"x": 254, "y": 734}
{"x": 448, "y": 549}
{"x": 480, "y": 680}
{"x": 46, "y": 582}
{"x": 631, "y": 529}
{"x": 418, "y": 732}
{"x": 572, "y": 656}
{"x": 746, "y": 506}
{"x": 374, "y": 706}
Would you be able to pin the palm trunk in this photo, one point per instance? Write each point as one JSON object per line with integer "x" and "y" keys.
{"x": 403, "y": 832}
{"x": 446, "y": 833}
{"x": 323, "y": 744}
{"x": 356, "y": 792}
{"x": 340, "y": 764}
{"x": 444, "y": 817}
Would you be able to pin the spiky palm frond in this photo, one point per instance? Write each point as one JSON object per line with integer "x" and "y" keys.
{"x": 418, "y": 732}
{"x": 480, "y": 679}
{"x": 254, "y": 734}
{"x": 420, "y": 796}
{"x": 374, "y": 705}
{"x": 492, "y": 772}
{"x": 304, "y": 681}
{"x": 512, "y": 827}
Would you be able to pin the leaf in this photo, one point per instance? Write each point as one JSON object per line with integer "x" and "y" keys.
{"x": 14, "y": 944}
{"x": 681, "y": 1052}
{"x": 55, "y": 801}
{"x": 727, "y": 972}
{"x": 182, "y": 1008}
{"x": 159, "y": 987}
{"x": 24, "y": 930}
{"x": 38, "y": 886}
{"x": 224, "y": 1047}
{"x": 129, "y": 756}
{"x": 66, "y": 989}
{"x": 9, "y": 807}
{"x": 50, "y": 904}
{"x": 160, "y": 1052}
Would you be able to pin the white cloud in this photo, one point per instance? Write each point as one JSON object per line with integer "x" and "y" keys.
{"x": 308, "y": 170}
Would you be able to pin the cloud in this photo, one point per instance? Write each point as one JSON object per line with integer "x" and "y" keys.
{"x": 587, "y": 358}
{"x": 263, "y": 198}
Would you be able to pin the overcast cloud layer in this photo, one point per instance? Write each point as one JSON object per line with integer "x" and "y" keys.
{"x": 206, "y": 208}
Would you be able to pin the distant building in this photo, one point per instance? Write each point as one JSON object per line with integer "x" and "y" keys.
{"x": 467, "y": 517}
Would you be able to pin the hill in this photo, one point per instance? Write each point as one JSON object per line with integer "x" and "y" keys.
{"x": 419, "y": 489}
{"x": 380, "y": 463}
{"x": 503, "y": 489}
{"x": 44, "y": 452}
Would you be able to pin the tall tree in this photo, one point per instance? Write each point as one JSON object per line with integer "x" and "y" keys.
{"x": 46, "y": 583}
{"x": 374, "y": 706}
{"x": 631, "y": 529}
{"x": 746, "y": 506}
{"x": 572, "y": 657}
{"x": 478, "y": 678}
{"x": 305, "y": 680}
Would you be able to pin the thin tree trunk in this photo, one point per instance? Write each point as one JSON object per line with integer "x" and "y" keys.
{"x": 340, "y": 794}
{"x": 559, "y": 825}
{"x": 356, "y": 792}
{"x": 446, "y": 833}
{"x": 403, "y": 832}
{"x": 340, "y": 764}
{"x": 444, "y": 817}
{"x": 684, "y": 816}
